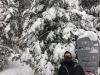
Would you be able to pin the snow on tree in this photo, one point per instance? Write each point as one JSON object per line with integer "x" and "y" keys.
{"x": 48, "y": 33}
{"x": 40, "y": 31}
{"x": 49, "y": 29}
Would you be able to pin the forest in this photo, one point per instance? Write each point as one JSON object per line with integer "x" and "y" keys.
{"x": 36, "y": 33}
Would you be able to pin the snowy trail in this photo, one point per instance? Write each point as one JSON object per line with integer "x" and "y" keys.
{"x": 16, "y": 68}
{"x": 12, "y": 71}
{"x": 16, "y": 71}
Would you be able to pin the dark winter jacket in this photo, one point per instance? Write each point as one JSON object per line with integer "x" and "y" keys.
{"x": 71, "y": 68}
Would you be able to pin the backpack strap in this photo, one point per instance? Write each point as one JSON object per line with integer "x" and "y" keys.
{"x": 66, "y": 69}
{"x": 75, "y": 65}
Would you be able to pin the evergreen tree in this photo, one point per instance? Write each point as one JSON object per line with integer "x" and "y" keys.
{"x": 40, "y": 31}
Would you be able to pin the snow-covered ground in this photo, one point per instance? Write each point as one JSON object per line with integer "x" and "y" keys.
{"x": 16, "y": 68}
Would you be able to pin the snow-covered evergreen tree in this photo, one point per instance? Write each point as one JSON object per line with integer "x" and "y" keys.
{"x": 40, "y": 31}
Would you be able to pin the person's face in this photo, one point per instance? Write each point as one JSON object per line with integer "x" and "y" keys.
{"x": 68, "y": 56}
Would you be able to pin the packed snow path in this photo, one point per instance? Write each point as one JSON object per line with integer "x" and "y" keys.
{"x": 16, "y": 68}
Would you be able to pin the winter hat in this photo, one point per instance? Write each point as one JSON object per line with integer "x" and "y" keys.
{"x": 72, "y": 52}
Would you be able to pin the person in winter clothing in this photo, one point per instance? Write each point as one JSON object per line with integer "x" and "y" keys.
{"x": 69, "y": 67}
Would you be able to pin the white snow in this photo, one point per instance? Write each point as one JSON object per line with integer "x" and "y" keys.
{"x": 37, "y": 48}
{"x": 51, "y": 36}
{"x": 13, "y": 10}
{"x": 8, "y": 17}
{"x": 83, "y": 14}
{"x": 78, "y": 12}
{"x": 58, "y": 52}
{"x": 40, "y": 7}
{"x": 97, "y": 9}
{"x": 41, "y": 60}
{"x": 49, "y": 69}
{"x": 7, "y": 28}
{"x": 26, "y": 55}
{"x": 92, "y": 36}
{"x": 78, "y": 32}
{"x": 66, "y": 31}
{"x": 37, "y": 24}
{"x": 74, "y": 4}
{"x": 16, "y": 68}
{"x": 50, "y": 13}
